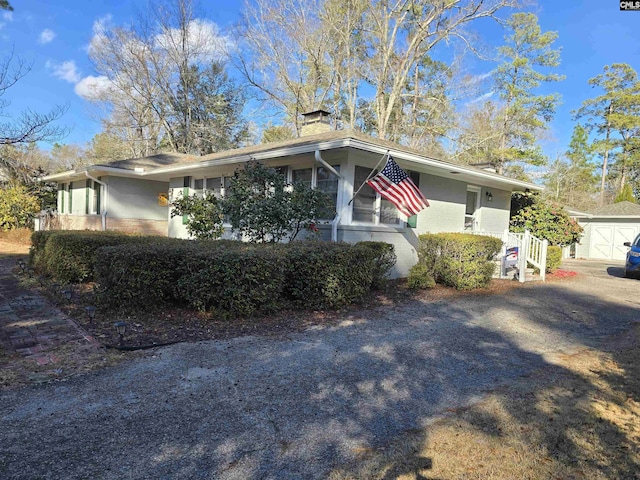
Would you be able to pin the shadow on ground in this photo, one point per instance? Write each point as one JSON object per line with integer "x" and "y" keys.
{"x": 354, "y": 401}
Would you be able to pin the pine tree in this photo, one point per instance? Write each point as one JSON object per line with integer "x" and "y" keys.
{"x": 614, "y": 118}
{"x": 529, "y": 58}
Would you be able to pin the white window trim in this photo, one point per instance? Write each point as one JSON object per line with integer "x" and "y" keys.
{"x": 314, "y": 182}
{"x": 477, "y": 212}
{"x": 377, "y": 208}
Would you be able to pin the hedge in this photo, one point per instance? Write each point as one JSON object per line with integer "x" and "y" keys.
{"x": 460, "y": 260}
{"x": 68, "y": 256}
{"x": 554, "y": 258}
{"x": 235, "y": 278}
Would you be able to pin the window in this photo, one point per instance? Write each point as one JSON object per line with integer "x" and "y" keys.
{"x": 368, "y": 206}
{"x": 321, "y": 178}
{"x": 214, "y": 186}
{"x": 304, "y": 175}
{"x": 198, "y": 187}
{"x": 471, "y": 219}
{"x": 96, "y": 197}
{"x": 327, "y": 182}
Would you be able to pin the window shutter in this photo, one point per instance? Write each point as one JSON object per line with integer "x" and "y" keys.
{"x": 70, "y": 197}
{"x": 87, "y": 198}
{"x": 185, "y": 194}
{"x": 412, "y": 221}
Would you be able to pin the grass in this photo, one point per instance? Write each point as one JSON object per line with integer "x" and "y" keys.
{"x": 19, "y": 236}
{"x": 579, "y": 420}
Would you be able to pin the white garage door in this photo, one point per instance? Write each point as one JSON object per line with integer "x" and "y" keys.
{"x": 607, "y": 241}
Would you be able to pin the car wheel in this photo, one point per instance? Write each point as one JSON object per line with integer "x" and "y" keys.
{"x": 625, "y": 273}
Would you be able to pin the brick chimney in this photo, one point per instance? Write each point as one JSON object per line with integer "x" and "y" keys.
{"x": 315, "y": 122}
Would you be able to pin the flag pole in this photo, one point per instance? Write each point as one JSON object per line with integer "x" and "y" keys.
{"x": 368, "y": 177}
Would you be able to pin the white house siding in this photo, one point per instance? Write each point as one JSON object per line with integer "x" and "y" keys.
{"x": 177, "y": 229}
{"x": 447, "y": 200}
{"x": 404, "y": 241}
{"x": 494, "y": 214}
{"x": 136, "y": 198}
{"x": 582, "y": 248}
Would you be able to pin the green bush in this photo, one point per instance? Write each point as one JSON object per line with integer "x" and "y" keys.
{"x": 139, "y": 276}
{"x": 384, "y": 258}
{"x": 327, "y": 275}
{"x": 554, "y": 258}
{"x": 233, "y": 281}
{"x": 460, "y": 260}
{"x": 18, "y": 207}
{"x": 420, "y": 277}
{"x": 68, "y": 256}
{"x": 236, "y": 278}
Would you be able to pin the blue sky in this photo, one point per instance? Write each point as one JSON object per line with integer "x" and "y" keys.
{"x": 55, "y": 35}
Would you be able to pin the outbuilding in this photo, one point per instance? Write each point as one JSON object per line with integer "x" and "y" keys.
{"x": 606, "y": 229}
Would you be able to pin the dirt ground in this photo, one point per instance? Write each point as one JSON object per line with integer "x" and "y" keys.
{"x": 589, "y": 410}
{"x": 579, "y": 421}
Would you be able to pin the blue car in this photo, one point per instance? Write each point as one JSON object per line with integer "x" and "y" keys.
{"x": 632, "y": 265}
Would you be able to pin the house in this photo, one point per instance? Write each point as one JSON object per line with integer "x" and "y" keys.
{"x": 606, "y": 229}
{"x": 136, "y": 194}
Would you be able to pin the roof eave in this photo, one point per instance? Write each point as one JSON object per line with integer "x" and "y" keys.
{"x": 353, "y": 143}
{"x": 93, "y": 170}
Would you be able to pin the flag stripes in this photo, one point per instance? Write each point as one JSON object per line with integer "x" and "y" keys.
{"x": 395, "y": 185}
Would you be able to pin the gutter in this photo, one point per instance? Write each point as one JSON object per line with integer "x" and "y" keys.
{"x": 103, "y": 214}
{"x": 320, "y": 160}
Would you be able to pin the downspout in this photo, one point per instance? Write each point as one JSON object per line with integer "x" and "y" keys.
{"x": 103, "y": 214}
{"x": 336, "y": 220}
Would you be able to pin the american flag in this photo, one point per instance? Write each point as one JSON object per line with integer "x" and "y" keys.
{"x": 395, "y": 185}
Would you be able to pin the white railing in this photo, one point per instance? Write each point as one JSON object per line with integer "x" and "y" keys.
{"x": 530, "y": 250}
{"x": 536, "y": 252}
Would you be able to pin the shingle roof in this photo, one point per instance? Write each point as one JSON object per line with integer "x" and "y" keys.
{"x": 152, "y": 161}
{"x": 622, "y": 209}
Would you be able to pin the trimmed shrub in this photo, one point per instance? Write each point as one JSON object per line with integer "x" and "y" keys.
{"x": 384, "y": 258}
{"x": 68, "y": 256}
{"x": 139, "y": 276}
{"x": 554, "y": 258}
{"x": 327, "y": 275}
{"x": 420, "y": 277}
{"x": 236, "y": 278}
{"x": 460, "y": 260}
{"x": 236, "y": 281}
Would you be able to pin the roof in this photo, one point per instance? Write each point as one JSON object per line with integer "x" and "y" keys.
{"x": 151, "y": 162}
{"x": 178, "y": 164}
{"x": 620, "y": 209}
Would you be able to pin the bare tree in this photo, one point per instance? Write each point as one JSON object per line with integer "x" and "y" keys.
{"x": 153, "y": 82}
{"x": 29, "y": 126}
{"x": 306, "y": 53}
{"x": 283, "y": 55}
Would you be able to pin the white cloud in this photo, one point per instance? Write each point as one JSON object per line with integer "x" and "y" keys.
{"x": 46, "y": 36}
{"x": 67, "y": 71}
{"x": 482, "y": 98}
{"x": 100, "y": 27}
{"x": 92, "y": 88}
{"x": 8, "y": 16}
{"x": 204, "y": 41}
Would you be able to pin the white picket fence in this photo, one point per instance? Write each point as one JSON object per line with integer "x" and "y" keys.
{"x": 530, "y": 250}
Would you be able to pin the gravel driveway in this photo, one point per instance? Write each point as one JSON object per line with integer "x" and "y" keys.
{"x": 299, "y": 406}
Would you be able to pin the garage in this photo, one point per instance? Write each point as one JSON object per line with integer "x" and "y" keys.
{"x": 606, "y": 230}
{"x": 607, "y": 241}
